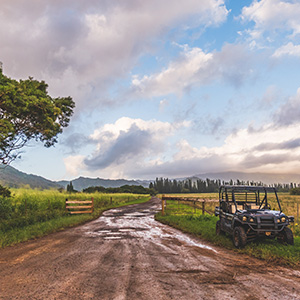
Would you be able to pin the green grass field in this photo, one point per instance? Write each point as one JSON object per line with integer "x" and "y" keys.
{"x": 188, "y": 219}
{"x": 33, "y": 213}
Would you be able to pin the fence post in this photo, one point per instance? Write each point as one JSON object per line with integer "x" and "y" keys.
{"x": 25, "y": 207}
{"x": 111, "y": 200}
{"x": 162, "y": 205}
{"x": 66, "y": 204}
{"x": 203, "y": 207}
{"x": 194, "y": 206}
{"x": 92, "y": 204}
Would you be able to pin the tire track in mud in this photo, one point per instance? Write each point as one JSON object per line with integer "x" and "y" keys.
{"x": 126, "y": 254}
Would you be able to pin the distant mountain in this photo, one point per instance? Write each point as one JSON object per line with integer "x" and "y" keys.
{"x": 11, "y": 177}
{"x": 85, "y": 182}
{"x": 263, "y": 177}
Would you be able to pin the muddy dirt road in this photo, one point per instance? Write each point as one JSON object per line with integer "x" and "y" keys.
{"x": 125, "y": 254}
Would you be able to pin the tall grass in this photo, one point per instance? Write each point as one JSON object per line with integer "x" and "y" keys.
{"x": 33, "y": 213}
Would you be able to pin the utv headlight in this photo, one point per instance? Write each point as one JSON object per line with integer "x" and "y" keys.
{"x": 244, "y": 218}
{"x": 283, "y": 219}
{"x": 251, "y": 220}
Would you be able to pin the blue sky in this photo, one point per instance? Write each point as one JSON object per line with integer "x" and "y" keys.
{"x": 162, "y": 88}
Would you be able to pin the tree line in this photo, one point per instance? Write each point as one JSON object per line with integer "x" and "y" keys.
{"x": 166, "y": 185}
{"x": 131, "y": 189}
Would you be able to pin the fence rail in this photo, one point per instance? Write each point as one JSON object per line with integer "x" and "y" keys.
{"x": 194, "y": 200}
{"x": 80, "y": 209}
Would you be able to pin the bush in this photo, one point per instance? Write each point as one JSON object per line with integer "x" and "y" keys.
{"x": 295, "y": 191}
{"x": 4, "y": 192}
{"x": 6, "y": 208}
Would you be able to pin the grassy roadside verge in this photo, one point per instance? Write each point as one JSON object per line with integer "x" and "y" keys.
{"x": 21, "y": 234}
{"x": 204, "y": 227}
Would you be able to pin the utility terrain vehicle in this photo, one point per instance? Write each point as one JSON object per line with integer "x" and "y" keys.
{"x": 245, "y": 213}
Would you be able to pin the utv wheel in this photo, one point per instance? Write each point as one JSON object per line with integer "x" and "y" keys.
{"x": 239, "y": 237}
{"x": 287, "y": 236}
{"x": 218, "y": 228}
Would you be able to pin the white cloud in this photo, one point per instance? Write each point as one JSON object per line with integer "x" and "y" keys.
{"x": 270, "y": 15}
{"x": 124, "y": 145}
{"x": 192, "y": 67}
{"x": 268, "y": 150}
{"x": 136, "y": 148}
{"x": 80, "y": 47}
{"x": 73, "y": 164}
{"x": 288, "y": 49}
{"x": 195, "y": 67}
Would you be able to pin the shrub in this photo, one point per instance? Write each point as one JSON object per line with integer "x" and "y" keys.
{"x": 6, "y": 208}
{"x": 295, "y": 191}
{"x": 4, "y": 191}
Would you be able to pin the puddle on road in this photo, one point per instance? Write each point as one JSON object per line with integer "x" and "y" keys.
{"x": 139, "y": 224}
{"x": 112, "y": 237}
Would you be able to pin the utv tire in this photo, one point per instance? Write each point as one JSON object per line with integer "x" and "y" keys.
{"x": 219, "y": 231}
{"x": 239, "y": 237}
{"x": 287, "y": 236}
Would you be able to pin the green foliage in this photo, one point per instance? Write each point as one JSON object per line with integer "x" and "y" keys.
{"x": 6, "y": 208}
{"x": 28, "y": 112}
{"x": 295, "y": 191}
{"x": 133, "y": 189}
{"x": 165, "y": 186}
{"x": 70, "y": 188}
{"x": 4, "y": 192}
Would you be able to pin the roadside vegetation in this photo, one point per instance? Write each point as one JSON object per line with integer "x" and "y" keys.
{"x": 188, "y": 219}
{"x": 27, "y": 213}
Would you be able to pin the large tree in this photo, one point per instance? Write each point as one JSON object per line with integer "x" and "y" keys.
{"x": 28, "y": 112}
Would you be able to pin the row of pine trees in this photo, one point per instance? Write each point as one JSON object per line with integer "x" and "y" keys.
{"x": 166, "y": 185}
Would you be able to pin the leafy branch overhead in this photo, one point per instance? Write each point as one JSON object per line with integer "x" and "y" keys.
{"x": 28, "y": 112}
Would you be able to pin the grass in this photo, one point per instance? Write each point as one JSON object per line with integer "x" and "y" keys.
{"x": 184, "y": 217}
{"x": 289, "y": 203}
{"x": 33, "y": 213}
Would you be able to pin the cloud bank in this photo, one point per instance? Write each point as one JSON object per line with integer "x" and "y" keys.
{"x": 143, "y": 149}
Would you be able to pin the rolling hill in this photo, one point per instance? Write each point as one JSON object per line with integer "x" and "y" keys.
{"x": 11, "y": 177}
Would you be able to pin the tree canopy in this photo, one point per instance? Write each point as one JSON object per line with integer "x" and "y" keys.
{"x": 28, "y": 112}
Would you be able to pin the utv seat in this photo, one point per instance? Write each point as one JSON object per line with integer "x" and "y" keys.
{"x": 252, "y": 206}
{"x": 233, "y": 209}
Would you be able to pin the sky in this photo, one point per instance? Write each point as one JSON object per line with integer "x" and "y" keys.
{"x": 167, "y": 88}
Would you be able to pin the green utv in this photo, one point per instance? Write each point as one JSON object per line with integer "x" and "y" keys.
{"x": 245, "y": 213}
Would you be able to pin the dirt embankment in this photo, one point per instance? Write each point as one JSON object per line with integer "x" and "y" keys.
{"x": 126, "y": 254}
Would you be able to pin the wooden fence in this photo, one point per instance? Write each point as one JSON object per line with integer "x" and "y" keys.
{"x": 80, "y": 206}
{"x": 192, "y": 201}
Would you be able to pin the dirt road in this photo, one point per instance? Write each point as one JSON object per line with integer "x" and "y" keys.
{"x": 126, "y": 254}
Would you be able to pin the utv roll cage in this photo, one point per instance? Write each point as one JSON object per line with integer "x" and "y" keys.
{"x": 255, "y": 197}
